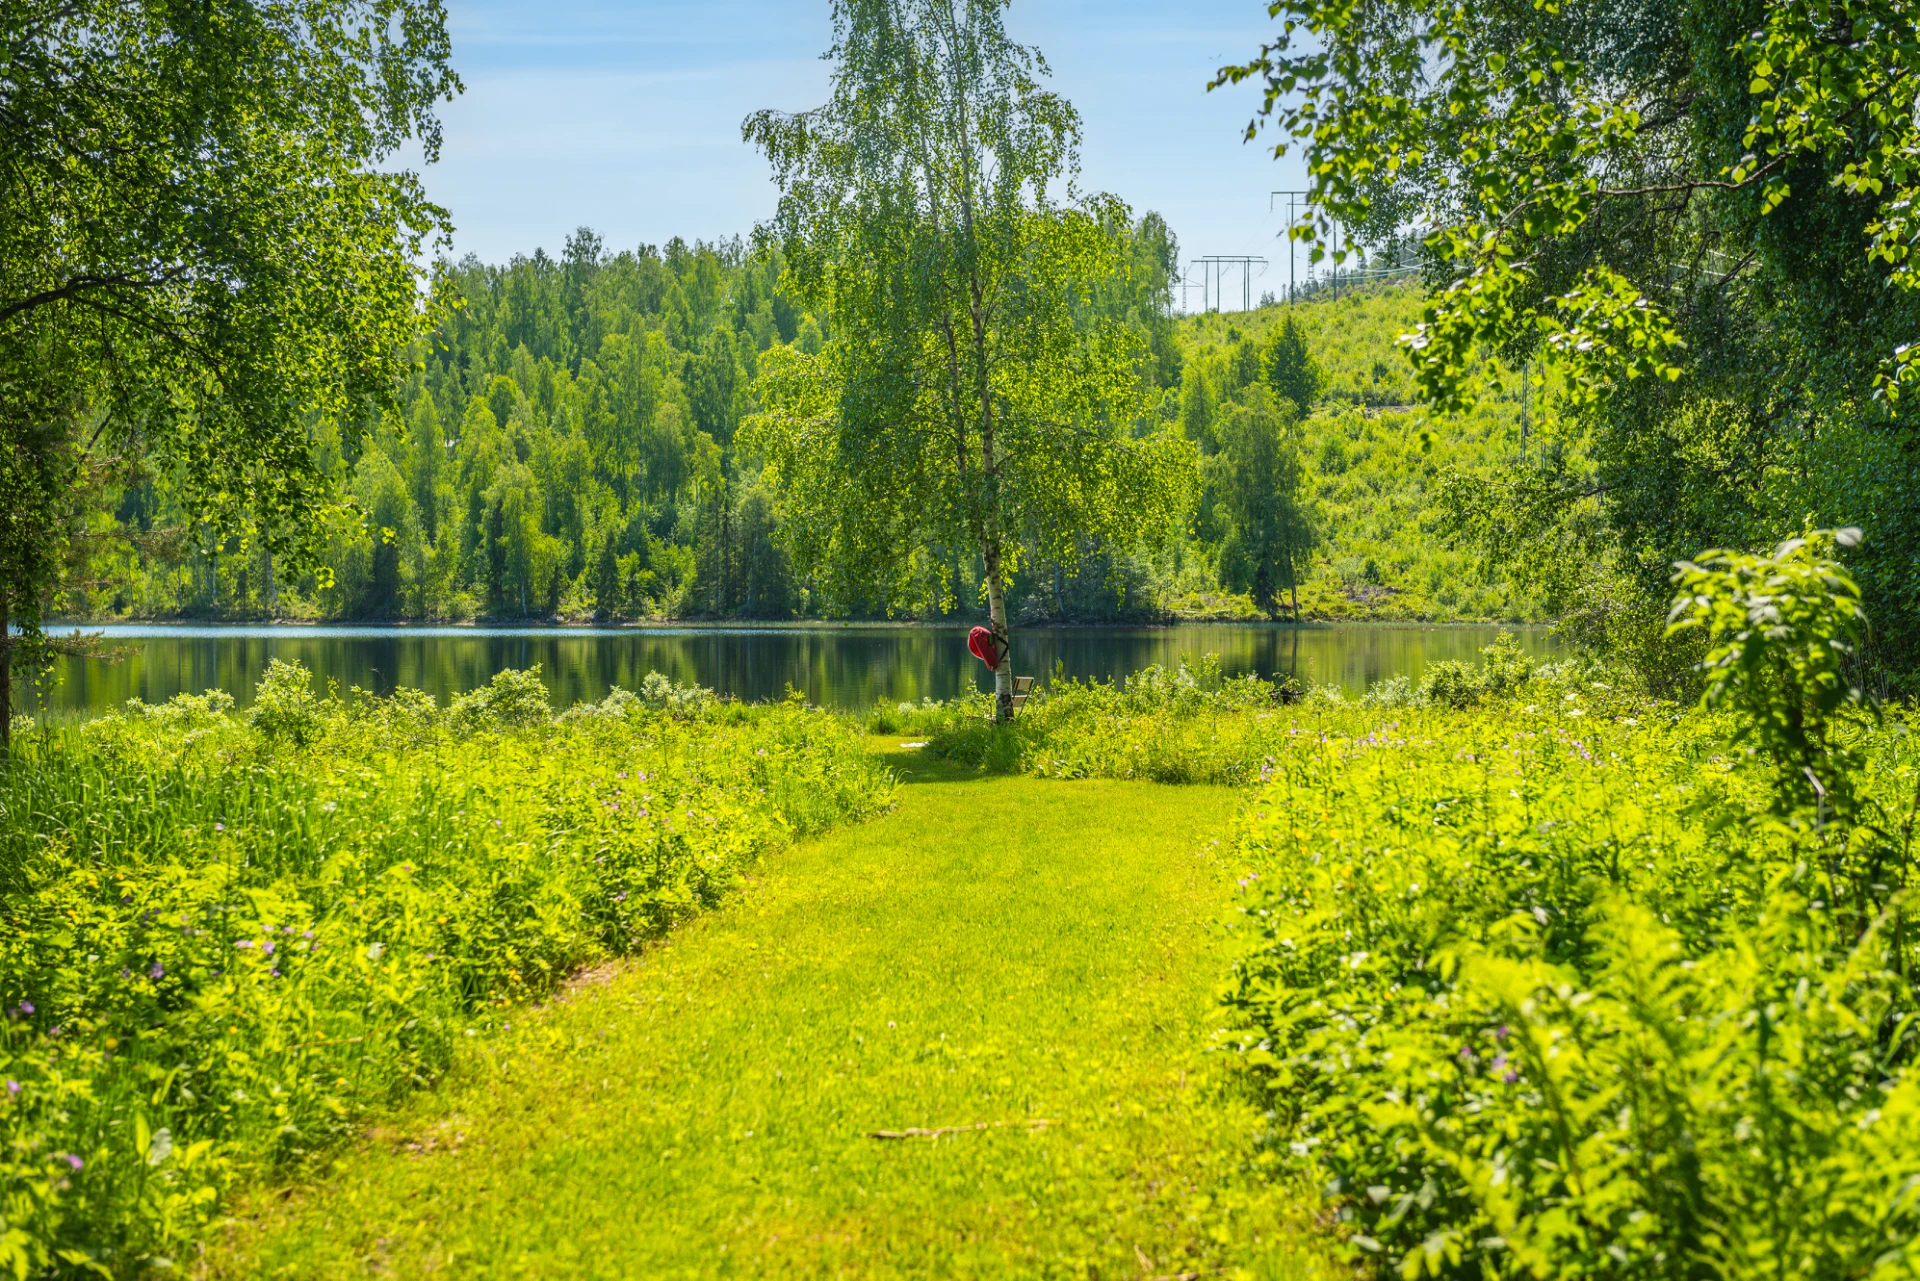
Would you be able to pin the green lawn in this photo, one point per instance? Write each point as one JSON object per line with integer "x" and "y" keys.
{"x": 998, "y": 952}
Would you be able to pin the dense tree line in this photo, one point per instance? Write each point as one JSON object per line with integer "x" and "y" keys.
{"x": 567, "y": 449}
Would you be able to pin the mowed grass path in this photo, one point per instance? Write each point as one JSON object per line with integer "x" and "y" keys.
{"x": 1002, "y": 952}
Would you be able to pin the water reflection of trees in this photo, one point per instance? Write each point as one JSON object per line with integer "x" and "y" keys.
{"x": 839, "y": 667}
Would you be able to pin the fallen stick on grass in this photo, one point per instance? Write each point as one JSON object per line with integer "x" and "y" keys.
{"x": 916, "y": 1132}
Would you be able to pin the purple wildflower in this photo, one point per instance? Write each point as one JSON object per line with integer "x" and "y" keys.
{"x": 244, "y": 943}
{"x": 1499, "y": 1061}
{"x": 219, "y": 827}
{"x": 125, "y": 973}
{"x": 54, "y": 1030}
{"x": 275, "y": 973}
{"x": 306, "y": 934}
{"x": 1466, "y": 1053}
{"x": 1500, "y": 1033}
{"x": 26, "y": 1007}
{"x": 158, "y": 971}
{"x": 1511, "y": 1076}
{"x": 13, "y": 1088}
{"x": 267, "y": 949}
{"x": 75, "y": 1161}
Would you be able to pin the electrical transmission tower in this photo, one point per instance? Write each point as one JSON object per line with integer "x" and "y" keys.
{"x": 1294, "y": 200}
{"x": 1214, "y": 269}
{"x": 1364, "y": 270}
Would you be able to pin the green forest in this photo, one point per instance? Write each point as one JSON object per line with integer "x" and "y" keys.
{"x": 566, "y": 452}
{"x": 1588, "y": 965}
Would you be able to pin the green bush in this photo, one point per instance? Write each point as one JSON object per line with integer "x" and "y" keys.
{"x": 230, "y": 937}
{"x": 1538, "y": 992}
{"x": 284, "y": 706}
{"x": 658, "y": 693}
{"x": 511, "y": 700}
{"x": 1503, "y": 669}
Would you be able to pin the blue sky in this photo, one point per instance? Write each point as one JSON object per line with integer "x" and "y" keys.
{"x": 626, "y": 117}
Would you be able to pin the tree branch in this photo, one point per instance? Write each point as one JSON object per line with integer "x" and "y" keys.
{"x": 82, "y": 284}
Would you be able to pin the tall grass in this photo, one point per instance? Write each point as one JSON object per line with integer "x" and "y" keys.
{"x": 228, "y": 938}
{"x": 1195, "y": 725}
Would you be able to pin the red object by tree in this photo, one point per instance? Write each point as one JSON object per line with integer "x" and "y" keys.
{"x": 982, "y": 645}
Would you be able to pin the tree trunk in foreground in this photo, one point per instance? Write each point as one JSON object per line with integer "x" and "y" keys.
{"x": 1003, "y": 645}
{"x": 6, "y": 682}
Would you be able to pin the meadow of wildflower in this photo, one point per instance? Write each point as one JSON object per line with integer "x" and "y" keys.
{"x": 1527, "y": 973}
{"x": 1540, "y": 976}
{"x": 229, "y": 936}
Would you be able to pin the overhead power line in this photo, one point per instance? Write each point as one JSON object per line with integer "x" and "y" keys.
{"x": 1214, "y": 269}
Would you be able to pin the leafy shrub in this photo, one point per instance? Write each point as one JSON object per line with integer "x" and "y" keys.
{"x": 1780, "y": 629}
{"x": 1396, "y": 691}
{"x": 1553, "y": 994}
{"x": 1451, "y": 684}
{"x": 220, "y": 953}
{"x": 661, "y": 694}
{"x": 658, "y": 693}
{"x": 284, "y": 706}
{"x": 1503, "y": 669}
{"x": 511, "y": 700}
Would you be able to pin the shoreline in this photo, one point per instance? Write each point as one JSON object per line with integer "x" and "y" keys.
{"x": 748, "y": 627}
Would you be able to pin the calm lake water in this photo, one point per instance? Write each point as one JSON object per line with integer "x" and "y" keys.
{"x": 843, "y": 667}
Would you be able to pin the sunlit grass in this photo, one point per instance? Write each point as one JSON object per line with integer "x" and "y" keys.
{"x": 998, "y": 952}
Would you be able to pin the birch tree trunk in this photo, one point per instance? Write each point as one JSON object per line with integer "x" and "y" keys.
{"x": 1003, "y": 645}
{"x": 6, "y": 682}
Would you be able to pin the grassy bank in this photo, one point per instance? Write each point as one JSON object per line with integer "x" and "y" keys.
{"x": 1540, "y": 977}
{"x": 229, "y": 937}
{"x": 1030, "y": 957}
{"x": 1530, "y": 975}
{"x": 1194, "y": 725}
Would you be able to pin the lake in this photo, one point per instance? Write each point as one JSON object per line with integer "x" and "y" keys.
{"x": 841, "y": 667}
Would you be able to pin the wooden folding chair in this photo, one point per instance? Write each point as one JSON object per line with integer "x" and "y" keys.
{"x": 1022, "y": 691}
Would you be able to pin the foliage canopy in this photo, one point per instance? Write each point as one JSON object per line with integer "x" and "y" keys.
{"x": 199, "y": 254}
{"x": 1698, "y": 216}
{"x": 964, "y": 396}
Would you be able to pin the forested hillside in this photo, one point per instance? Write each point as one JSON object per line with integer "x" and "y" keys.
{"x": 568, "y": 455}
{"x": 1370, "y": 458}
